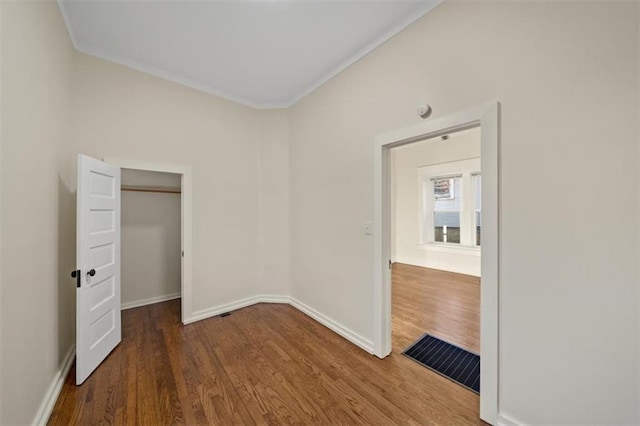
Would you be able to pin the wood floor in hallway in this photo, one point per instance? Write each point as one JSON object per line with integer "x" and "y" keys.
{"x": 264, "y": 364}
{"x": 443, "y": 304}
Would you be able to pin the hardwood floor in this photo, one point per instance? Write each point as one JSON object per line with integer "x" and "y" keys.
{"x": 264, "y": 364}
{"x": 443, "y": 304}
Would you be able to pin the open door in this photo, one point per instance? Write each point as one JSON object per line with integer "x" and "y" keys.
{"x": 98, "y": 328}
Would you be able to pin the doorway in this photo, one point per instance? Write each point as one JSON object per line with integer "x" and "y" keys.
{"x": 436, "y": 254}
{"x": 487, "y": 117}
{"x": 184, "y": 175}
{"x": 151, "y": 240}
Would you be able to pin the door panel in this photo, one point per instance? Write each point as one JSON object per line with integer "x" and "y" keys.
{"x": 98, "y": 260}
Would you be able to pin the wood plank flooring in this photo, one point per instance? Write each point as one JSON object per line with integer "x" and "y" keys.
{"x": 443, "y": 304}
{"x": 264, "y": 364}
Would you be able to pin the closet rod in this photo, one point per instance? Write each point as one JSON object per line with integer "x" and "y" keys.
{"x": 150, "y": 189}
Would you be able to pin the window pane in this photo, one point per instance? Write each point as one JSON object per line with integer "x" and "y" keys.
{"x": 452, "y": 235}
{"x": 453, "y": 194}
{"x": 477, "y": 195}
{"x": 443, "y": 189}
{"x": 446, "y": 227}
{"x": 446, "y": 212}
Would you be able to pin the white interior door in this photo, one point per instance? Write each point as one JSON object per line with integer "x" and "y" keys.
{"x": 98, "y": 264}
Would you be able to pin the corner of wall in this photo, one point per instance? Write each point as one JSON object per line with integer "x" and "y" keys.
{"x": 53, "y": 392}
{"x": 504, "y": 420}
{"x": 272, "y": 138}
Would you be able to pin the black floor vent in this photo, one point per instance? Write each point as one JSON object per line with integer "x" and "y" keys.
{"x": 447, "y": 360}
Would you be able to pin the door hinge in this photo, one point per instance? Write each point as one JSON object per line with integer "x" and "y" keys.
{"x": 182, "y": 253}
{"x": 76, "y": 275}
{"x": 389, "y": 263}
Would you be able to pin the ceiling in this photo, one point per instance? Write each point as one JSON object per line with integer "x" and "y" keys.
{"x": 265, "y": 54}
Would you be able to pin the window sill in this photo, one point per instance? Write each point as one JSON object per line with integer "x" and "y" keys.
{"x": 450, "y": 248}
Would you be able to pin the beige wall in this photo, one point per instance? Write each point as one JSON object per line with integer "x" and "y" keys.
{"x": 273, "y": 201}
{"x": 151, "y": 231}
{"x": 280, "y": 196}
{"x": 38, "y": 218}
{"x": 406, "y": 210}
{"x": 125, "y": 114}
{"x": 61, "y": 103}
{"x": 567, "y": 75}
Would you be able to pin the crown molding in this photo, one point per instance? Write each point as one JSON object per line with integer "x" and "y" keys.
{"x": 426, "y": 8}
{"x": 133, "y": 64}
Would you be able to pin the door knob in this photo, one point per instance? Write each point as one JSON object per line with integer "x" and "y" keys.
{"x": 91, "y": 272}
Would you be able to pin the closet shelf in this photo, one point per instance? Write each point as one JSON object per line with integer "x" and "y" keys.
{"x": 158, "y": 189}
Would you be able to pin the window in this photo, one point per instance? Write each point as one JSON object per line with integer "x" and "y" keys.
{"x": 477, "y": 217}
{"x": 444, "y": 188}
{"x": 446, "y": 209}
{"x": 450, "y": 198}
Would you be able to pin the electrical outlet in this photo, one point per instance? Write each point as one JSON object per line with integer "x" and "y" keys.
{"x": 368, "y": 228}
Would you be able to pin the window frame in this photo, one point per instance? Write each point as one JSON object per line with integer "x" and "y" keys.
{"x": 475, "y": 210}
{"x": 426, "y": 174}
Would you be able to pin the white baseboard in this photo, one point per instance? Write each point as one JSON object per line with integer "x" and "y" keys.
{"x": 343, "y": 331}
{"x": 338, "y": 328}
{"x": 506, "y": 421}
{"x": 50, "y": 398}
{"x": 457, "y": 267}
{"x": 220, "y": 309}
{"x": 242, "y": 303}
{"x": 149, "y": 301}
{"x": 268, "y": 298}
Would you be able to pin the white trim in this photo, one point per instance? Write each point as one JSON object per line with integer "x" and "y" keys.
{"x": 186, "y": 287}
{"x": 334, "y": 326}
{"x": 456, "y": 269}
{"x": 133, "y": 64}
{"x": 148, "y": 301}
{"x": 488, "y": 117}
{"x": 273, "y": 299}
{"x": 462, "y": 169}
{"x": 53, "y": 392}
{"x": 450, "y": 248}
{"x": 420, "y": 12}
{"x": 156, "y": 72}
{"x": 504, "y": 420}
{"x": 220, "y": 309}
{"x": 232, "y": 306}
{"x": 338, "y": 328}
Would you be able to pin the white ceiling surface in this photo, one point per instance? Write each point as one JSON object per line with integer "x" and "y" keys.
{"x": 265, "y": 54}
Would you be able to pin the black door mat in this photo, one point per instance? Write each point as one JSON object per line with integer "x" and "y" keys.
{"x": 450, "y": 361}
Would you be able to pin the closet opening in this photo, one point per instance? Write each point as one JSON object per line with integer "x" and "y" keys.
{"x": 151, "y": 237}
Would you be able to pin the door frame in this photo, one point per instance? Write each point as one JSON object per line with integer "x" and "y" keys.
{"x": 186, "y": 218}
{"x": 486, "y": 116}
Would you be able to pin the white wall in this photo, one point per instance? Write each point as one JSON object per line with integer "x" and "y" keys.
{"x": 151, "y": 238}
{"x": 38, "y": 210}
{"x": 567, "y": 75}
{"x": 406, "y": 208}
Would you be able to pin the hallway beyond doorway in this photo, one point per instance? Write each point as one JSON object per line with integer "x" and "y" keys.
{"x": 441, "y": 303}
